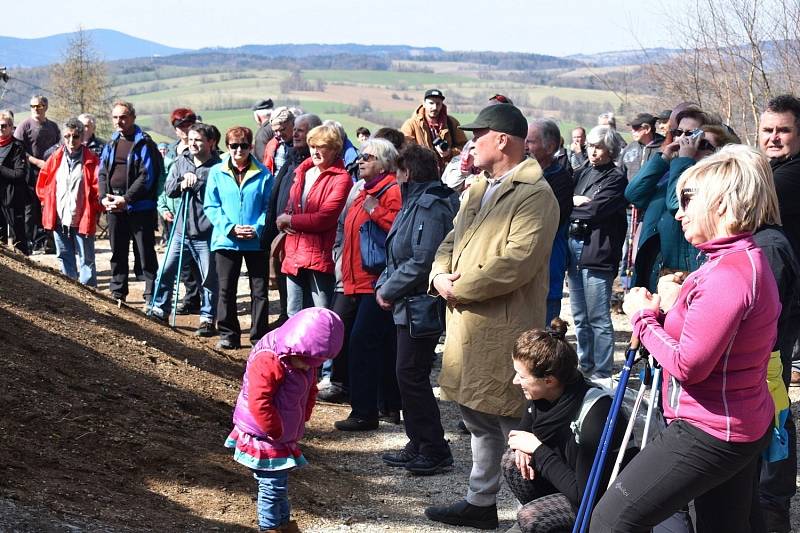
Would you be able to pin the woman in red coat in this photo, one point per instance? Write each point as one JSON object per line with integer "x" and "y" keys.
{"x": 371, "y": 347}
{"x": 67, "y": 189}
{"x": 316, "y": 199}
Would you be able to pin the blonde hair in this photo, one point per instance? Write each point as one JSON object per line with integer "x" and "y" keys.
{"x": 327, "y": 136}
{"x": 736, "y": 180}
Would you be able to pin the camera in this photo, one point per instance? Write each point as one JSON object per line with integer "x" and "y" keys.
{"x": 441, "y": 144}
{"x": 579, "y": 229}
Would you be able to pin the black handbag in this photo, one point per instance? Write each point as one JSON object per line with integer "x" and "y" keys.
{"x": 425, "y": 316}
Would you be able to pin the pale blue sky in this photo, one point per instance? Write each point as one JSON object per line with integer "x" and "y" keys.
{"x": 557, "y": 27}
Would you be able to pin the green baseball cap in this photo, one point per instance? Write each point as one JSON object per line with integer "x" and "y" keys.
{"x": 505, "y": 118}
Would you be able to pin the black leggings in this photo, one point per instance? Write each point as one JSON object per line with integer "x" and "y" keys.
{"x": 682, "y": 464}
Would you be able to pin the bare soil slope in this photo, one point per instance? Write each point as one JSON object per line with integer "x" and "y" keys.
{"x": 111, "y": 420}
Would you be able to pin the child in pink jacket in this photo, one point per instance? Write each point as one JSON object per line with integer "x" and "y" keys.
{"x": 277, "y": 396}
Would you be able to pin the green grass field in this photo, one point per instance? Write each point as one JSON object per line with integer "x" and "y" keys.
{"x": 224, "y": 99}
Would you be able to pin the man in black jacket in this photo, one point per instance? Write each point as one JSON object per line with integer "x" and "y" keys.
{"x": 779, "y": 139}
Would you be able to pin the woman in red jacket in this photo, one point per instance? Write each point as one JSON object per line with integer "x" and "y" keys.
{"x": 316, "y": 199}
{"x": 371, "y": 348}
{"x": 67, "y": 189}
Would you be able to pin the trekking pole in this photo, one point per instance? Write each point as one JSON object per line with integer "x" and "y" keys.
{"x": 177, "y": 287}
{"x": 163, "y": 265}
{"x": 647, "y": 381}
{"x": 596, "y": 473}
{"x": 655, "y": 397}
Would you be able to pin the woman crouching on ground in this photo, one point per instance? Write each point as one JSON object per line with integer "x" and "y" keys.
{"x": 713, "y": 343}
{"x": 550, "y": 456}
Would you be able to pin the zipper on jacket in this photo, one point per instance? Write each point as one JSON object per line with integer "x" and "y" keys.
{"x": 419, "y": 233}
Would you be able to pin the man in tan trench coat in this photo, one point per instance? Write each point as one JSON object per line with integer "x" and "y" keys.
{"x": 493, "y": 271}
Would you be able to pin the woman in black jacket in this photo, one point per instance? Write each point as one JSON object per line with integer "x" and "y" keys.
{"x": 596, "y": 235}
{"x": 425, "y": 218}
{"x": 13, "y": 189}
{"x": 550, "y": 456}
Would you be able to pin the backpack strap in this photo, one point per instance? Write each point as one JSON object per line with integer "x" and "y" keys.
{"x": 382, "y": 190}
{"x": 591, "y": 397}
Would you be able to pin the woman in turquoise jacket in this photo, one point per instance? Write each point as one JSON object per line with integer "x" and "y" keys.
{"x": 661, "y": 247}
{"x": 236, "y": 200}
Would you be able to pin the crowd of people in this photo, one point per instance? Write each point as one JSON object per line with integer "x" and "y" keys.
{"x": 378, "y": 251}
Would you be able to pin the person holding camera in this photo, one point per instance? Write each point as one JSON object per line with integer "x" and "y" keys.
{"x": 430, "y": 126}
{"x": 236, "y": 201}
{"x": 596, "y": 232}
{"x": 662, "y": 249}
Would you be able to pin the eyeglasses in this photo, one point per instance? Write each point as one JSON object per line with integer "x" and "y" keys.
{"x": 368, "y": 157}
{"x": 706, "y": 145}
{"x": 686, "y": 196}
{"x": 71, "y": 136}
{"x": 4, "y": 126}
{"x": 677, "y": 132}
{"x": 38, "y": 106}
{"x": 236, "y": 146}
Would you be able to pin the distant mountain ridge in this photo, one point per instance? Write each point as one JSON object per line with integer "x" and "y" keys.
{"x": 113, "y": 45}
{"x": 315, "y": 49}
{"x": 109, "y": 44}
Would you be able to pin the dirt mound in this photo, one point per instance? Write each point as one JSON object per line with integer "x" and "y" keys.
{"x": 112, "y": 420}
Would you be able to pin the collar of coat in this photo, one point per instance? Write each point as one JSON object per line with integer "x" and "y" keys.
{"x": 528, "y": 172}
{"x": 253, "y": 170}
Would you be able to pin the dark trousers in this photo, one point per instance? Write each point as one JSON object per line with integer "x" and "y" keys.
{"x": 15, "y": 227}
{"x": 139, "y": 226}
{"x": 33, "y": 208}
{"x": 778, "y": 483}
{"x": 345, "y": 307}
{"x": 229, "y": 266}
{"x": 420, "y": 409}
{"x": 372, "y": 360}
{"x": 280, "y": 279}
{"x": 682, "y": 464}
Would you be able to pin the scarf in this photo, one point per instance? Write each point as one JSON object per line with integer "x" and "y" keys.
{"x": 374, "y": 181}
{"x": 6, "y": 141}
{"x": 552, "y": 420}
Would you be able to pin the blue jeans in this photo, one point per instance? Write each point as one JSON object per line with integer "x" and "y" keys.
{"x": 590, "y": 299}
{"x": 200, "y": 252}
{"x": 273, "y": 498}
{"x": 68, "y": 244}
{"x": 558, "y": 268}
{"x": 308, "y": 288}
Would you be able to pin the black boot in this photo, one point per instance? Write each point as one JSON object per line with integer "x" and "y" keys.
{"x": 463, "y": 513}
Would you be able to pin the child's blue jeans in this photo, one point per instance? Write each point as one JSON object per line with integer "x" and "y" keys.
{"x": 273, "y": 498}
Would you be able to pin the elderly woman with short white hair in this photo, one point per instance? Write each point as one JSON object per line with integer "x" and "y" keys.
{"x": 371, "y": 346}
{"x": 596, "y": 233}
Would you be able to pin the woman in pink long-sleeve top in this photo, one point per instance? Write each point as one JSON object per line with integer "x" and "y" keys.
{"x": 713, "y": 343}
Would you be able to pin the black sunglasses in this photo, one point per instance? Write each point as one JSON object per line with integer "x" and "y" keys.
{"x": 367, "y": 157}
{"x": 235, "y": 146}
{"x": 686, "y": 196}
{"x": 677, "y": 132}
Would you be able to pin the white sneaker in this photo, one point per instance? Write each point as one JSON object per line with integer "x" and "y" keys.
{"x": 324, "y": 383}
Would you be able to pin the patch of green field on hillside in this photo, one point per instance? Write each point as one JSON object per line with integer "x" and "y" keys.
{"x": 386, "y": 77}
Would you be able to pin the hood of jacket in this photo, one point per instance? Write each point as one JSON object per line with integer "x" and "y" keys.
{"x": 315, "y": 334}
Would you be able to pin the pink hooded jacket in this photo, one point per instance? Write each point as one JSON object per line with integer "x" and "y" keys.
{"x": 277, "y": 399}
